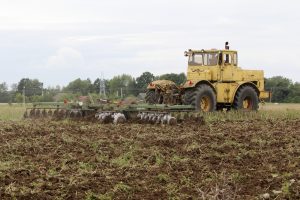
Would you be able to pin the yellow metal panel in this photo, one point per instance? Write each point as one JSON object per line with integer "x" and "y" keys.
{"x": 225, "y": 92}
{"x": 209, "y": 73}
{"x": 264, "y": 94}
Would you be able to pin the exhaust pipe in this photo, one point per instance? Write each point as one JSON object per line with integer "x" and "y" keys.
{"x": 227, "y": 45}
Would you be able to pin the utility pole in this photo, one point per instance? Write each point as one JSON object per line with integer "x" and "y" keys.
{"x": 102, "y": 86}
{"x": 24, "y": 96}
{"x": 99, "y": 86}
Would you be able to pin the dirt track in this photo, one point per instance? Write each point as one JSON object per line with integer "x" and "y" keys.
{"x": 226, "y": 160}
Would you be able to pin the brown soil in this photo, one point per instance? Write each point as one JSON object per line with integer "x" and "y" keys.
{"x": 81, "y": 160}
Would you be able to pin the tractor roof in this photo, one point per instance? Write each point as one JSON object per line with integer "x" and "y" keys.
{"x": 212, "y": 51}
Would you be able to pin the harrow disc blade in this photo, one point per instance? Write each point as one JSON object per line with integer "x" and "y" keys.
{"x": 50, "y": 113}
{"x": 44, "y": 113}
{"x": 78, "y": 114}
{"x": 157, "y": 118}
{"x": 119, "y": 118}
{"x": 172, "y": 121}
{"x": 62, "y": 114}
{"x": 73, "y": 114}
{"x": 32, "y": 113}
{"x": 37, "y": 113}
{"x": 55, "y": 113}
{"x": 105, "y": 118}
{"x": 25, "y": 115}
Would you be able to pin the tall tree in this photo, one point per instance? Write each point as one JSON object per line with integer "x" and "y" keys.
{"x": 4, "y": 94}
{"x": 32, "y": 86}
{"x": 279, "y": 87}
{"x": 124, "y": 84}
{"x": 143, "y": 80}
{"x": 294, "y": 95}
{"x": 79, "y": 86}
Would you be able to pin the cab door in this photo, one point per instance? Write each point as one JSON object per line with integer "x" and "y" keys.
{"x": 228, "y": 67}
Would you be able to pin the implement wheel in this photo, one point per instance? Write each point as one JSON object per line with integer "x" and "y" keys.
{"x": 188, "y": 96}
{"x": 246, "y": 99}
{"x": 151, "y": 97}
{"x": 203, "y": 98}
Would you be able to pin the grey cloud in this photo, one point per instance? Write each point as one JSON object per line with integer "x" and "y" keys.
{"x": 60, "y": 41}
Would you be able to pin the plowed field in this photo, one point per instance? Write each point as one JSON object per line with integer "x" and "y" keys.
{"x": 220, "y": 160}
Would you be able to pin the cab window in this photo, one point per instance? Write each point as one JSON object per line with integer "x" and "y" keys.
{"x": 235, "y": 59}
{"x": 210, "y": 59}
{"x": 227, "y": 59}
{"x": 204, "y": 59}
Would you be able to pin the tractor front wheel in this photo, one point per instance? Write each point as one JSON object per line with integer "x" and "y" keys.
{"x": 246, "y": 99}
{"x": 203, "y": 98}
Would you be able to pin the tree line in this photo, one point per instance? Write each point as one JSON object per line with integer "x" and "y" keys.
{"x": 119, "y": 86}
{"x": 282, "y": 89}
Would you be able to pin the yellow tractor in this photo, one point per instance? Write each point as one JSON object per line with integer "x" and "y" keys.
{"x": 214, "y": 82}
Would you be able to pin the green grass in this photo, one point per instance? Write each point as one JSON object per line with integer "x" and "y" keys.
{"x": 267, "y": 111}
{"x": 255, "y": 115}
{"x": 280, "y": 106}
{"x": 11, "y": 112}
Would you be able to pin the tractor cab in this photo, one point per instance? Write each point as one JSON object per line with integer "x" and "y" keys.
{"x": 211, "y": 57}
{"x": 210, "y": 65}
{"x": 203, "y": 58}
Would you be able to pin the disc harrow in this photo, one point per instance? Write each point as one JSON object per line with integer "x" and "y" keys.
{"x": 151, "y": 114}
{"x": 110, "y": 116}
{"x": 157, "y": 118}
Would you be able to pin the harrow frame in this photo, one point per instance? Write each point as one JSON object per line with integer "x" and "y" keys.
{"x": 106, "y": 113}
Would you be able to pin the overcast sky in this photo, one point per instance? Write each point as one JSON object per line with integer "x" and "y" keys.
{"x": 58, "y": 41}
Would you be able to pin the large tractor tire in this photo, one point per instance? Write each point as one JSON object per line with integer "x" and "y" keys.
{"x": 246, "y": 99}
{"x": 203, "y": 98}
{"x": 188, "y": 96}
{"x": 151, "y": 97}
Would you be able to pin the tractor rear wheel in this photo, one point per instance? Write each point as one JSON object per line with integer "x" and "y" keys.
{"x": 203, "y": 98}
{"x": 151, "y": 97}
{"x": 246, "y": 99}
